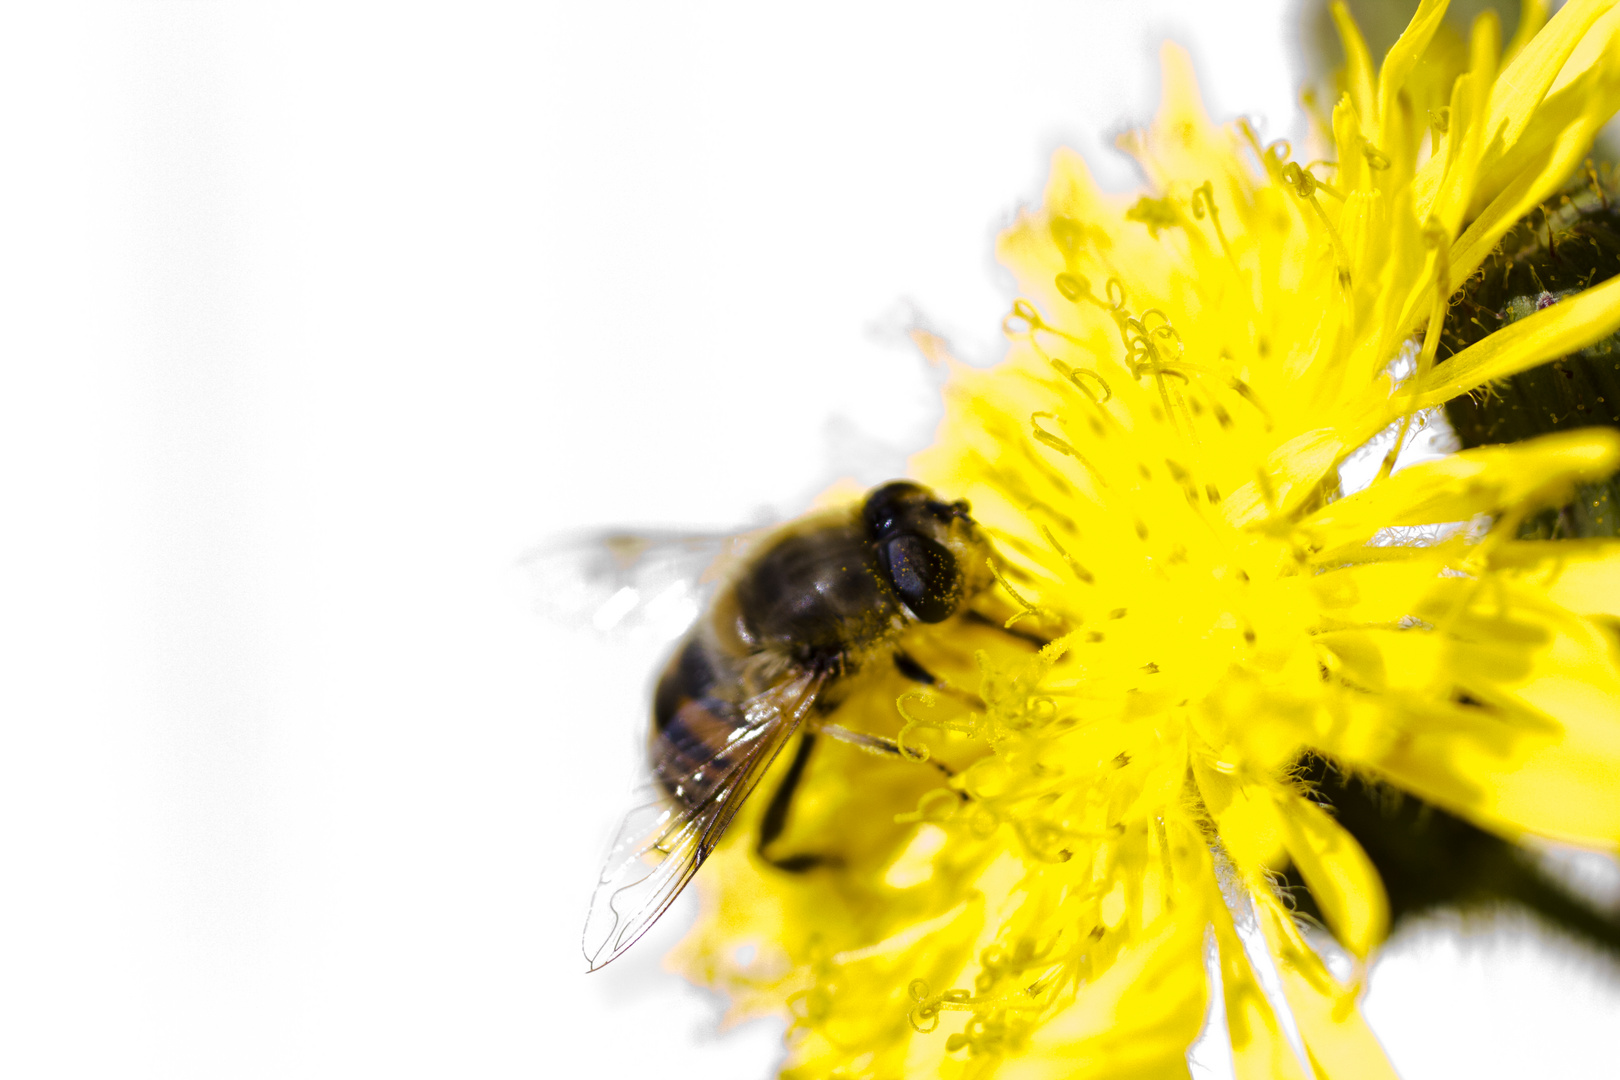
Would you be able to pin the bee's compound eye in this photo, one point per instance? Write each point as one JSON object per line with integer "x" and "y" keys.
{"x": 924, "y": 575}
{"x": 889, "y": 507}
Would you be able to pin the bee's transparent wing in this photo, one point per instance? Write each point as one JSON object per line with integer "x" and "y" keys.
{"x": 625, "y": 584}
{"x": 661, "y": 844}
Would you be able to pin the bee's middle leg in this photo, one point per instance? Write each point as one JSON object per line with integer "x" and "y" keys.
{"x": 880, "y": 744}
{"x": 883, "y": 744}
{"x": 908, "y": 666}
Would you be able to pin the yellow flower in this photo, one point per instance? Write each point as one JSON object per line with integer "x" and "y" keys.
{"x": 1157, "y": 461}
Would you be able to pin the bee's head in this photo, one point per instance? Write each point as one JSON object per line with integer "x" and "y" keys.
{"x": 932, "y": 551}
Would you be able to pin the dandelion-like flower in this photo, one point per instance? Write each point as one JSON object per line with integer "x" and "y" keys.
{"x": 1157, "y": 460}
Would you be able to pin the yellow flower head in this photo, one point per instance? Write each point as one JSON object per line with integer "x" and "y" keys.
{"x": 1157, "y": 460}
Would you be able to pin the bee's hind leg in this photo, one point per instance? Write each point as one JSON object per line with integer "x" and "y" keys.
{"x": 775, "y": 819}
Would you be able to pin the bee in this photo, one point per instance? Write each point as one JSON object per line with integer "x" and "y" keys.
{"x": 787, "y": 632}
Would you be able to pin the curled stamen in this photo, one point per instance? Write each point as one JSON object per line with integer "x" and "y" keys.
{"x": 1073, "y": 374}
{"x": 1144, "y": 356}
{"x": 1076, "y": 287}
{"x": 921, "y": 753}
{"x": 1139, "y": 336}
{"x": 1058, "y": 443}
{"x": 1154, "y": 366}
{"x": 1203, "y": 200}
{"x": 1047, "y": 438}
{"x": 1073, "y": 286}
{"x": 1112, "y": 286}
{"x": 1304, "y": 186}
{"x": 1027, "y": 609}
{"x": 1306, "y": 183}
{"x": 1021, "y": 310}
{"x": 1162, "y": 328}
{"x": 1024, "y": 320}
{"x": 935, "y": 807}
{"x": 924, "y": 1016}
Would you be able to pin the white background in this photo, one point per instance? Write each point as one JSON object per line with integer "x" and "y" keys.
{"x": 315, "y": 318}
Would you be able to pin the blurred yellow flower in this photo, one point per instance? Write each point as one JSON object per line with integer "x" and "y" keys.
{"x": 1158, "y": 461}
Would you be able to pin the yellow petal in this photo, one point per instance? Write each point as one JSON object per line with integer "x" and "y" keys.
{"x": 1337, "y": 1038}
{"x": 1543, "y": 757}
{"x": 1136, "y": 1020}
{"x": 1593, "y": 93}
{"x": 1339, "y": 874}
{"x": 1290, "y": 475}
{"x": 1456, "y": 165}
{"x": 1570, "y": 789}
{"x": 1598, "y": 38}
{"x": 1260, "y": 1050}
{"x": 1529, "y": 75}
{"x": 1357, "y": 61}
{"x": 1404, "y": 55}
{"x": 1538, "y": 180}
{"x": 1516, "y": 109}
{"x": 1581, "y": 575}
{"x": 1252, "y": 831}
{"x": 1484, "y": 480}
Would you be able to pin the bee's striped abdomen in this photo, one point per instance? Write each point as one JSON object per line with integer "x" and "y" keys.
{"x": 692, "y": 727}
